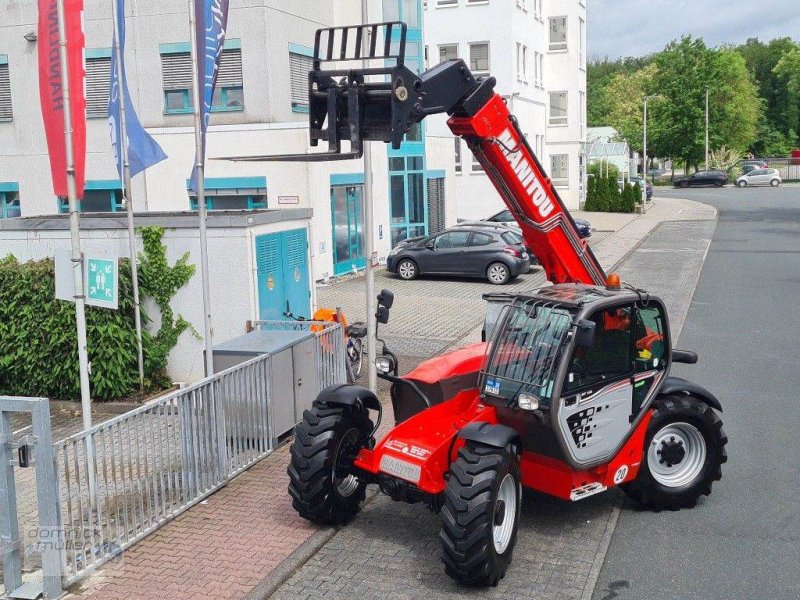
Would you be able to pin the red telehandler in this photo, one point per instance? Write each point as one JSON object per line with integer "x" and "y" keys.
{"x": 571, "y": 395}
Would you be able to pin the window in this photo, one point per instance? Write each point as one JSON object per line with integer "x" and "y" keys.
{"x": 454, "y": 239}
{"x": 9, "y": 201}
{"x": 232, "y": 193}
{"x": 98, "y": 82}
{"x": 559, "y": 169}
{"x": 558, "y": 34}
{"x": 581, "y": 44}
{"x": 504, "y": 216}
{"x": 481, "y": 239}
{"x": 609, "y": 357}
{"x": 98, "y": 196}
{"x": 558, "y": 108}
{"x": 477, "y": 2}
{"x": 479, "y": 58}
{"x": 457, "y": 143}
{"x": 448, "y": 52}
{"x": 444, "y": 3}
{"x": 176, "y": 72}
{"x": 651, "y": 343}
{"x": 299, "y": 66}
{"x": 522, "y": 62}
{"x": 509, "y": 237}
{"x": 6, "y": 113}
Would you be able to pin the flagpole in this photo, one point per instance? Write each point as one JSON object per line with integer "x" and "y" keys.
{"x": 77, "y": 256}
{"x": 201, "y": 193}
{"x": 122, "y": 141}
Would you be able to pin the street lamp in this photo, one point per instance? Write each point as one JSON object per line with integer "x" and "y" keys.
{"x": 644, "y": 144}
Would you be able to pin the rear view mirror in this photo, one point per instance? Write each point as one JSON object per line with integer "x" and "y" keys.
{"x": 430, "y": 245}
{"x": 584, "y": 333}
{"x": 386, "y": 298}
{"x": 382, "y": 315}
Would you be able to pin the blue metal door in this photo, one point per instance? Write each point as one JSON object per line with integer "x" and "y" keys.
{"x": 282, "y": 268}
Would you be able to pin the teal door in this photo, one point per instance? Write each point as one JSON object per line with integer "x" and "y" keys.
{"x": 347, "y": 217}
{"x": 282, "y": 268}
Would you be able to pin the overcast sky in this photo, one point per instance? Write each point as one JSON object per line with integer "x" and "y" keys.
{"x": 636, "y": 27}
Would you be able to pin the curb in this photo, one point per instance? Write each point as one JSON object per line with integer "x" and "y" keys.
{"x": 301, "y": 555}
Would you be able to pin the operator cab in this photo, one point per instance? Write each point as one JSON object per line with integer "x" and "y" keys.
{"x": 575, "y": 367}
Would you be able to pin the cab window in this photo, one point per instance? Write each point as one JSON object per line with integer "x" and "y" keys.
{"x": 609, "y": 357}
{"x": 651, "y": 350}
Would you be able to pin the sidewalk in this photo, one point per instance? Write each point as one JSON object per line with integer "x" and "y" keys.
{"x": 229, "y": 543}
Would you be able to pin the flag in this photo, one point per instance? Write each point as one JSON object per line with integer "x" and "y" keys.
{"x": 51, "y": 91}
{"x": 143, "y": 150}
{"x": 211, "y": 20}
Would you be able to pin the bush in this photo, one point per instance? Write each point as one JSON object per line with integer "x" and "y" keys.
{"x": 38, "y": 338}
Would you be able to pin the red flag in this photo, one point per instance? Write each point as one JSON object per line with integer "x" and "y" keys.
{"x": 50, "y": 90}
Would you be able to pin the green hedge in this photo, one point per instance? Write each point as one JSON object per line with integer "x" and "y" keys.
{"x": 38, "y": 340}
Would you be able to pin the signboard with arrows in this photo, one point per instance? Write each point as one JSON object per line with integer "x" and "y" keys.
{"x": 101, "y": 279}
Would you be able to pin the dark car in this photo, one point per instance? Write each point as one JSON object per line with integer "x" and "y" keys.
{"x": 643, "y": 184}
{"x": 491, "y": 253}
{"x": 505, "y": 216}
{"x": 701, "y": 178}
{"x": 753, "y": 164}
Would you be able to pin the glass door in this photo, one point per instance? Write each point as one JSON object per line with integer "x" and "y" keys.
{"x": 347, "y": 216}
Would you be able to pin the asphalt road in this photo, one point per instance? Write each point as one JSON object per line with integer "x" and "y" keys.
{"x": 744, "y": 540}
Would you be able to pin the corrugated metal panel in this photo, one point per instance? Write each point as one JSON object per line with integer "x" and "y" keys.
{"x": 5, "y": 94}
{"x": 299, "y": 66}
{"x": 436, "y": 205}
{"x": 98, "y": 81}
{"x": 176, "y": 70}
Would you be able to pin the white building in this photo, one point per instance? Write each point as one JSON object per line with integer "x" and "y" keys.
{"x": 536, "y": 49}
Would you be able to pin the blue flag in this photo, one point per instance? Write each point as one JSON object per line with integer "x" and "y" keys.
{"x": 211, "y": 20}
{"x": 143, "y": 150}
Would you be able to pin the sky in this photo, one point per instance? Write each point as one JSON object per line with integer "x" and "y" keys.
{"x": 618, "y": 28}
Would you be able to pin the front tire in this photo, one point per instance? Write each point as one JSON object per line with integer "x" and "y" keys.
{"x": 742, "y": 184}
{"x": 498, "y": 273}
{"x": 326, "y": 442}
{"x": 719, "y": 184}
{"x": 775, "y": 182}
{"x": 683, "y": 184}
{"x": 407, "y": 269}
{"x": 682, "y": 457}
{"x": 480, "y": 515}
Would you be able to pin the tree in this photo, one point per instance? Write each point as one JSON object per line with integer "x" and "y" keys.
{"x": 600, "y": 73}
{"x": 787, "y": 72}
{"x": 625, "y": 95}
{"x": 686, "y": 69}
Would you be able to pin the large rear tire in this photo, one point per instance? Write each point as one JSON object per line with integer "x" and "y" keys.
{"x": 325, "y": 445}
{"x": 682, "y": 457}
{"x": 480, "y": 515}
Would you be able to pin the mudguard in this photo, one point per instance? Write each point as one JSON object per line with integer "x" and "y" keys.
{"x": 678, "y": 385}
{"x": 496, "y": 436}
{"x": 345, "y": 394}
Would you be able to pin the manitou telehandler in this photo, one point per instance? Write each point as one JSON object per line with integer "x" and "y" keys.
{"x": 570, "y": 396}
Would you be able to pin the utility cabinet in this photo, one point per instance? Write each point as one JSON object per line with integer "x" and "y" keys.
{"x": 293, "y": 377}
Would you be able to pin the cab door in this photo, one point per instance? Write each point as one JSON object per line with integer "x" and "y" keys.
{"x": 597, "y": 395}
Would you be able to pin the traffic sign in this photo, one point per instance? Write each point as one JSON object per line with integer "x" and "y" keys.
{"x": 102, "y": 282}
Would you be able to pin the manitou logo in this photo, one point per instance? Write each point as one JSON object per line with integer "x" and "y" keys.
{"x": 525, "y": 173}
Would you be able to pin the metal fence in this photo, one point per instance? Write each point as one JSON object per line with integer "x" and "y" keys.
{"x": 789, "y": 168}
{"x": 124, "y": 478}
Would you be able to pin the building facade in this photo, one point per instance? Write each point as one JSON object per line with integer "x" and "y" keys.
{"x": 536, "y": 49}
{"x": 261, "y": 108}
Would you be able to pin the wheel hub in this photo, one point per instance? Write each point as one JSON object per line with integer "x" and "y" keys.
{"x": 671, "y": 452}
{"x": 345, "y": 482}
{"x": 500, "y": 513}
{"x": 505, "y": 513}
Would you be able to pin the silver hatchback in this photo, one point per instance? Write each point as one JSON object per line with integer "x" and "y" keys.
{"x": 760, "y": 177}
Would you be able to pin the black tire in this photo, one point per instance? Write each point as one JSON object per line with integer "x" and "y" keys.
{"x": 407, "y": 269}
{"x": 741, "y": 184}
{"x": 325, "y": 434}
{"x": 683, "y": 184}
{"x": 775, "y": 182}
{"x": 646, "y": 489}
{"x": 469, "y": 513}
{"x": 498, "y": 273}
{"x": 719, "y": 183}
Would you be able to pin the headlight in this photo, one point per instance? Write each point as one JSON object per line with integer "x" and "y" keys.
{"x": 384, "y": 364}
{"x": 395, "y": 251}
{"x": 528, "y": 402}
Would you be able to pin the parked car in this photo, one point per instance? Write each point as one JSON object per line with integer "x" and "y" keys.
{"x": 752, "y": 165}
{"x": 505, "y": 216}
{"x": 701, "y": 178}
{"x": 501, "y": 228}
{"x": 760, "y": 177}
{"x": 491, "y": 252}
{"x": 648, "y": 189}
